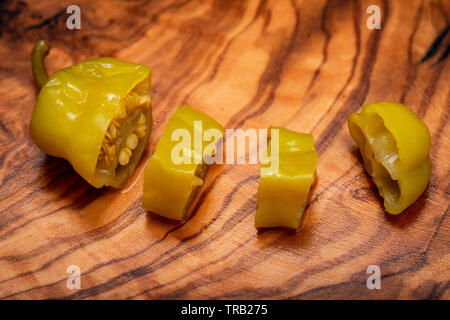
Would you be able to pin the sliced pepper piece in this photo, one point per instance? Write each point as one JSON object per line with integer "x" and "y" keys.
{"x": 284, "y": 188}
{"x": 395, "y": 146}
{"x": 171, "y": 180}
{"x": 96, "y": 115}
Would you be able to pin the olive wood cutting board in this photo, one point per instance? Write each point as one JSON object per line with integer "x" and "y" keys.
{"x": 303, "y": 65}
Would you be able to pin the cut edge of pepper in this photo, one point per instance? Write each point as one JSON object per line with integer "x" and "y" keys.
{"x": 391, "y": 189}
{"x": 140, "y": 108}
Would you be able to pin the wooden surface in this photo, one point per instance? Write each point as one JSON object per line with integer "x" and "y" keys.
{"x": 304, "y": 65}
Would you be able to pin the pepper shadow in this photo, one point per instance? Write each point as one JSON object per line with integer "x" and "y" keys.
{"x": 61, "y": 182}
{"x": 210, "y": 178}
{"x": 409, "y": 215}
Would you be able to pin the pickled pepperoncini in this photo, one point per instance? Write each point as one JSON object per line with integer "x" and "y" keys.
{"x": 96, "y": 114}
{"x": 177, "y": 169}
{"x": 395, "y": 146}
{"x": 285, "y": 187}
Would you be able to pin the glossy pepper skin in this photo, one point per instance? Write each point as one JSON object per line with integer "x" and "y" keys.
{"x": 75, "y": 109}
{"x": 395, "y": 146}
{"x": 170, "y": 185}
{"x": 284, "y": 189}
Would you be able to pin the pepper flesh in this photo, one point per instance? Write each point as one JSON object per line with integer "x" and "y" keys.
{"x": 284, "y": 189}
{"x": 85, "y": 113}
{"x": 395, "y": 146}
{"x": 171, "y": 186}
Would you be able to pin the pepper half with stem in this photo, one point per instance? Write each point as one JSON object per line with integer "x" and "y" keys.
{"x": 96, "y": 114}
{"x": 286, "y": 178}
{"x": 395, "y": 146}
{"x": 177, "y": 170}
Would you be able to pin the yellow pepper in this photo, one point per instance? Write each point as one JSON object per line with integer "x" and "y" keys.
{"x": 96, "y": 115}
{"x": 176, "y": 170}
{"x": 395, "y": 146}
{"x": 287, "y": 174}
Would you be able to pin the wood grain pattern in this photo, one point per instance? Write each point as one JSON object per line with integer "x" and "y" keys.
{"x": 305, "y": 65}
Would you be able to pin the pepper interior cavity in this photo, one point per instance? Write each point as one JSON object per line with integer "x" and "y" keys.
{"x": 125, "y": 137}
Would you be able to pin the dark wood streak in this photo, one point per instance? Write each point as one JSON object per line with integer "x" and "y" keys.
{"x": 412, "y": 72}
{"x": 445, "y": 287}
{"x": 293, "y": 282}
{"x": 244, "y": 263}
{"x": 357, "y": 279}
{"x": 9, "y": 10}
{"x": 184, "y": 78}
{"x": 435, "y": 45}
{"x": 21, "y": 165}
{"x": 359, "y": 94}
{"x": 79, "y": 203}
{"x": 371, "y": 243}
{"x": 180, "y": 292}
{"x": 104, "y": 232}
{"x": 430, "y": 91}
{"x": 146, "y": 269}
{"x": 247, "y": 209}
{"x": 418, "y": 264}
{"x": 7, "y": 219}
{"x": 82, "y": 240}
{"x": 323, "y": 27}
{"x": 53, "y": 18}
{"x": 46, "y": 266}
{"x": 356, "y": 23}
{"x": 261, "y": 292}
{"x": 444, "y": 55}
{"x": 223, "y": 53}
{"x": 36, "y": 192}
{"x": 272, "y": 75}
{"x": 262, "y": 11}
{"x": 104, "y": 264}
{"x": 5, "y": 129}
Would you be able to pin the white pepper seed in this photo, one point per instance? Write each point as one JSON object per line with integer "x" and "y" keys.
{"x": 124, "y": 156}
{"x": 140, "y": 130}
{"x": 132, "y": 141}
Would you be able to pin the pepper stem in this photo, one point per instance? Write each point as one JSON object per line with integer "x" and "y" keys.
{"x": 40, "y": 51}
